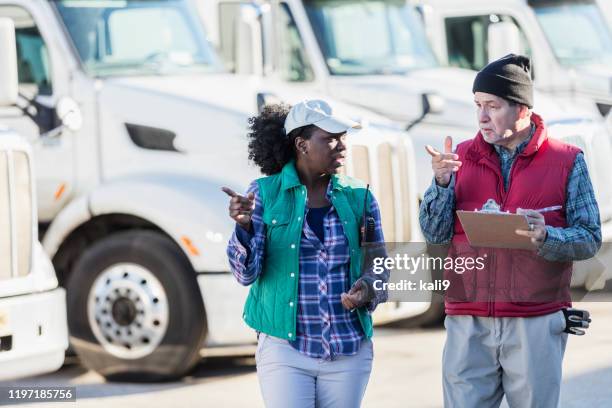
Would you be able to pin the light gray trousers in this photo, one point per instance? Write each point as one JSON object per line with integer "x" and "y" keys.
{"x": 290, "y": 379}
{"x": 487, "y": 357}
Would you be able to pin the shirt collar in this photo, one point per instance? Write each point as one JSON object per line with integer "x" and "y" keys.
{"x": 519, "y": 149}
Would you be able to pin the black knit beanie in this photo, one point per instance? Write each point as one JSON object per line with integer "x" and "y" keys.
{"x": 508, "y": 77}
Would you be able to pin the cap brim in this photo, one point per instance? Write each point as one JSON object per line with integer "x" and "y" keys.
{"x": 337, "y": 124}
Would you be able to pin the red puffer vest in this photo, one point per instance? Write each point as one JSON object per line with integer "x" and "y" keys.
{"x": 512, "y": 283}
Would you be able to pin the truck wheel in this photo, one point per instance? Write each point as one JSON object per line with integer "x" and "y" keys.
{"x": 135, "y": 312}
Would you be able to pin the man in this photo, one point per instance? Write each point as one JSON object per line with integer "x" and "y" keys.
{"x": 505, "y": 324}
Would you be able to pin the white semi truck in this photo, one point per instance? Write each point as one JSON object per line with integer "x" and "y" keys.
{"x": 135, "y": 127}
{"x": 569, "y": 41}
{"x": 33, "y": 328}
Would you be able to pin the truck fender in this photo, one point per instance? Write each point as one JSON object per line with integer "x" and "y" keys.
{"x": 192, "y": 211}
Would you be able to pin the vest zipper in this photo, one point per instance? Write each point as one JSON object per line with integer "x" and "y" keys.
{"x": 504, "y": 194}
{"x": 493, "y": 260}
{"x": 491, "y": 288}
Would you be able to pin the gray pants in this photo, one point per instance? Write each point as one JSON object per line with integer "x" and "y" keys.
{"x": 290, "y": 379}
{"x": 487, "y": 357}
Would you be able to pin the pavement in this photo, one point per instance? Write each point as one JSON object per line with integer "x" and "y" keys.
{"x": 406, "y": 373}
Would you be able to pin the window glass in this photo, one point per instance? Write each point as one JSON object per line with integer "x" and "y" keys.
{"x": 33, "y": 63}
{"x": 592, "y": 46}
{"x": 467, "y": 40}
{"x": 369, "y": 37}
{"x": 293, "y": 61}
{"x": 129, "y": 37}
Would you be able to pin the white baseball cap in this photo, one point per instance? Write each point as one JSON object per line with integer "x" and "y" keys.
{"x": 319, "y": 113}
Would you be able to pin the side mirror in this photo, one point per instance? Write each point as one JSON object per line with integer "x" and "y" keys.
{"x": 69, "y": 114}
{"x": 431, "y": 104}
{"x": 8, "y": 63}
{"x": 248, "y": 41}
{"x": 264, "y": 98}
{"x": 70, "y": 118}
{"x": 503, "y": 38}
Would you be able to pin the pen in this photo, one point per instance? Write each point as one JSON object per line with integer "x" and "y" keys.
{"x": 547, "y": 209}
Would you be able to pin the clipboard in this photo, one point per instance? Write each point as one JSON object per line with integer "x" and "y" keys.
{"x": 495, "y": 229}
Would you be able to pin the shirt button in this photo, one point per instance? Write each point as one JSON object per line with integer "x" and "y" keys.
{"x": 292, "y": 275}
{"x": 290, "y": 304}
{"x": 299, "y": 218}
{"x": 292, "y": 246}
{"x": 290, "y": 334}
{"x": 346, "y": 222}
{"x": 273, "y": 221}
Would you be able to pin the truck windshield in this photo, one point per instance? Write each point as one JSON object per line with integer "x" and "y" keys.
{"x": 135, "y": 37}
{"x": 577, "y": 32}
{"x": 369, "y": 37}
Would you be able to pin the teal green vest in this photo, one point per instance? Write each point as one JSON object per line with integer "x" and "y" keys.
{"x": 271, "y": 306}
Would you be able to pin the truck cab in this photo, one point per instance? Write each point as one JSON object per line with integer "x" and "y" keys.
{"x": 569, "y": 41}
{"x": 33, "y": 328}
{"x": 373, "y": 54}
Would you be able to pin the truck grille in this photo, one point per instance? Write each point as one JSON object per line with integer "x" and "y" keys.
{"x": 16, "y": 216}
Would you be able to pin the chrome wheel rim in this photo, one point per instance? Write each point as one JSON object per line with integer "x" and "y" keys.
{"x": 128, "y": 310}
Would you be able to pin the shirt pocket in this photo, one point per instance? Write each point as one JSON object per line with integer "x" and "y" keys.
{"x": 277, "y": 226}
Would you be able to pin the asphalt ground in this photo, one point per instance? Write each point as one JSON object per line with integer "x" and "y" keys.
{"x": 406, "y": 373}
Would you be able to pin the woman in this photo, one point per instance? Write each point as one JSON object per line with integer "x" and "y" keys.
{"x": 297, "y": 242}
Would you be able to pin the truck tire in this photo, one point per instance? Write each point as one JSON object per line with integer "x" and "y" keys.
{"x": 135, "y": 311}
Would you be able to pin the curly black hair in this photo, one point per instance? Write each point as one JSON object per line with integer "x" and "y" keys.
{"x": 269, "y": 148}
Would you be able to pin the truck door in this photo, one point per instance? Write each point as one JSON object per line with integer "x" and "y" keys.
{"x": 40, "y": 86}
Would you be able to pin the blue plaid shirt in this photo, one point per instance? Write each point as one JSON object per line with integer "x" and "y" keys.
{"x": 580, "y": 240}
{"x": 324, "y": 329}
